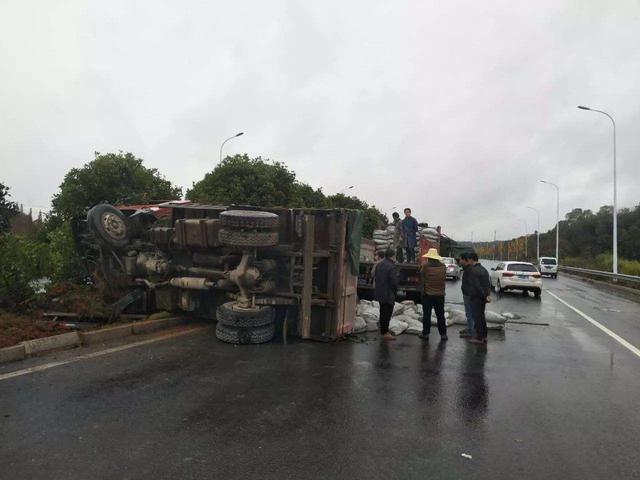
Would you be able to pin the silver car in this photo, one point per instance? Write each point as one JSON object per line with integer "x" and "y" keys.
{"x": 453, "y": 270}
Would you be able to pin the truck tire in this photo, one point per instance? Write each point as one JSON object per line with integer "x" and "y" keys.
{"x": 109, "y": 225}
{"x": 245, "y": 336}
{"x": 231, "y": 316}
{"x": 249, "y": 219}
{"x": 239, "y": 238}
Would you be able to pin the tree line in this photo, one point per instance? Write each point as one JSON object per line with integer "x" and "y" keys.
{"x": 586, "y": 240}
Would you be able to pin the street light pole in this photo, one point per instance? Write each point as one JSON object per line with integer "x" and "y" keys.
{"x": 538, "y": 235}
{"x": 557, "y": 219}
{"x": 615, "y": 191}
{"x": 526, "y": 239}
{"x": 234, "y": 136}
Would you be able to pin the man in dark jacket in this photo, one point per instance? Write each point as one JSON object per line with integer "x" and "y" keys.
{"x": 409, "y": 231}
{"x": 479, "y": 295}
{"x": 398, "y": 244}
{"x": 386, "y": 285}
{"x": 465, "y": 263}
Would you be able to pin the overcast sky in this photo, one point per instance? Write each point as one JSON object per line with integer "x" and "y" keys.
{"x": 454, "y": 108}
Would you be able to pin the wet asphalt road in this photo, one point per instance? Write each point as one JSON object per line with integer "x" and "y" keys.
{"x": 540, "y": 402}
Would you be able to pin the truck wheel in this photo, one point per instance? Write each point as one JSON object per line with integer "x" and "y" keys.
{"x": 537, "y": 293}
{"x": 238, "y": 238}
{"x": 245, "y": 336}
{"x": 249, "y": 219}
{"x": 109, "y": 225}
{"x": 232, "y": 316}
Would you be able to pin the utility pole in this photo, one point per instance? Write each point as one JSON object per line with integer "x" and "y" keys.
{"x": 615, "y": 189}
{"x": 495, "y": 246}
{"x": 557, "y": 219}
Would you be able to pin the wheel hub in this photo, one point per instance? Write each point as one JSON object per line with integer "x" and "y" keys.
{"x": 114, "y": 226}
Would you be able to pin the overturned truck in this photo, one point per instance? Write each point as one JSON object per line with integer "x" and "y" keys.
{"x": 255, "y": 270}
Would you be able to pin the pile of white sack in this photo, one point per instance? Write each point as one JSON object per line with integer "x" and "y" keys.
{"x": 384, "y": 238}
{"x": 407, "y": 317}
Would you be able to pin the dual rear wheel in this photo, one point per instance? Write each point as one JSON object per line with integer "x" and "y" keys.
{"x": 245, "y": 326}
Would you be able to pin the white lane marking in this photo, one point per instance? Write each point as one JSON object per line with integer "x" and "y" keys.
{"x": 47, "y": 366}
{"x": 613, "y": 335}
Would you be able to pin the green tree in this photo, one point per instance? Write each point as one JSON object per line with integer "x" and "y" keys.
{"x": 8, "y": 209}
{"x": 373, "y": 218}
{"x": 242, "y": 180}
{"x": 114, "y": 178}
{"x": 248, "y": 181}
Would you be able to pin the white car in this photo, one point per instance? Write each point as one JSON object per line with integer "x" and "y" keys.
{"x": 453, "y": 270}
{"x": 548, "y": 266}
{"x": 516, "y": 276}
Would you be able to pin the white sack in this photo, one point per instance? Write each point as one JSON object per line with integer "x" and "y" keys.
{"x": 457, "y": 317}
{"x": 398, "y": 309}
{"x": 493, "y": 317}
{"x": 396, "y": 327}
{"x": 372, "y": 326}
{"x": 360, "y": 325}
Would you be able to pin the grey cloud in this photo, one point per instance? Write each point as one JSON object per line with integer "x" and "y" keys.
{"x": 454, "y": 108}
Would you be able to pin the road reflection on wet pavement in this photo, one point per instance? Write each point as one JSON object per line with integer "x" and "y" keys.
{"x": 538, "y": 402}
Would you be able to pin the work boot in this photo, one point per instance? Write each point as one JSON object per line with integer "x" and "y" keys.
{"x": 444, "y": 338}
{"x": 465, "y": 334}
{"x": 424, "y": 337}
{"x": 477, "y": 341}
{"x": 387, "y": 337}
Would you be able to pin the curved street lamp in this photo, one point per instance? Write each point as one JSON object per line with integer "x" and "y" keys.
{"x": 234, "y": 136}
{"x": 615, "y": 191}
{"x": 557, "y": 219}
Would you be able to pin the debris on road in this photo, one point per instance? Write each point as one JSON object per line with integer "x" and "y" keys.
{"x": 18, "y": 328}
{"x": 407, "y": 317}
{"x": 466, "y": 455}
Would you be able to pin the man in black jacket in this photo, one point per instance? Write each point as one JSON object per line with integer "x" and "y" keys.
{"x": 386, "y": 285}
{"x": 479, "y": 291}
{"x": 466, "y": 264}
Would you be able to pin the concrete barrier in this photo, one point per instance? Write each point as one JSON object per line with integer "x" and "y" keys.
{"x": 11, "y": 354}
{"x": 74, "y": 339}
{"x": 149, "y": 326}
{"x": 106, "y": 334}
{"x": 51, "y": 343}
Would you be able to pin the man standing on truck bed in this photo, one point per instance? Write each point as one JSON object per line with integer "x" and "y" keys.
{"x": 385, "y": 287}
{"x": 397, "y": 237}
{"x": 409, "y": 232}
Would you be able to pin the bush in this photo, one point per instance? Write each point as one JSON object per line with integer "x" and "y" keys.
{"x": 23, "y": 262}
{"x": 64, "y": 263}
{"x": 603, "y": 262}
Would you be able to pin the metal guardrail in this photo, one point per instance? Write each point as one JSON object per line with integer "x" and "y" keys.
{"x": 599, "y": 273}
